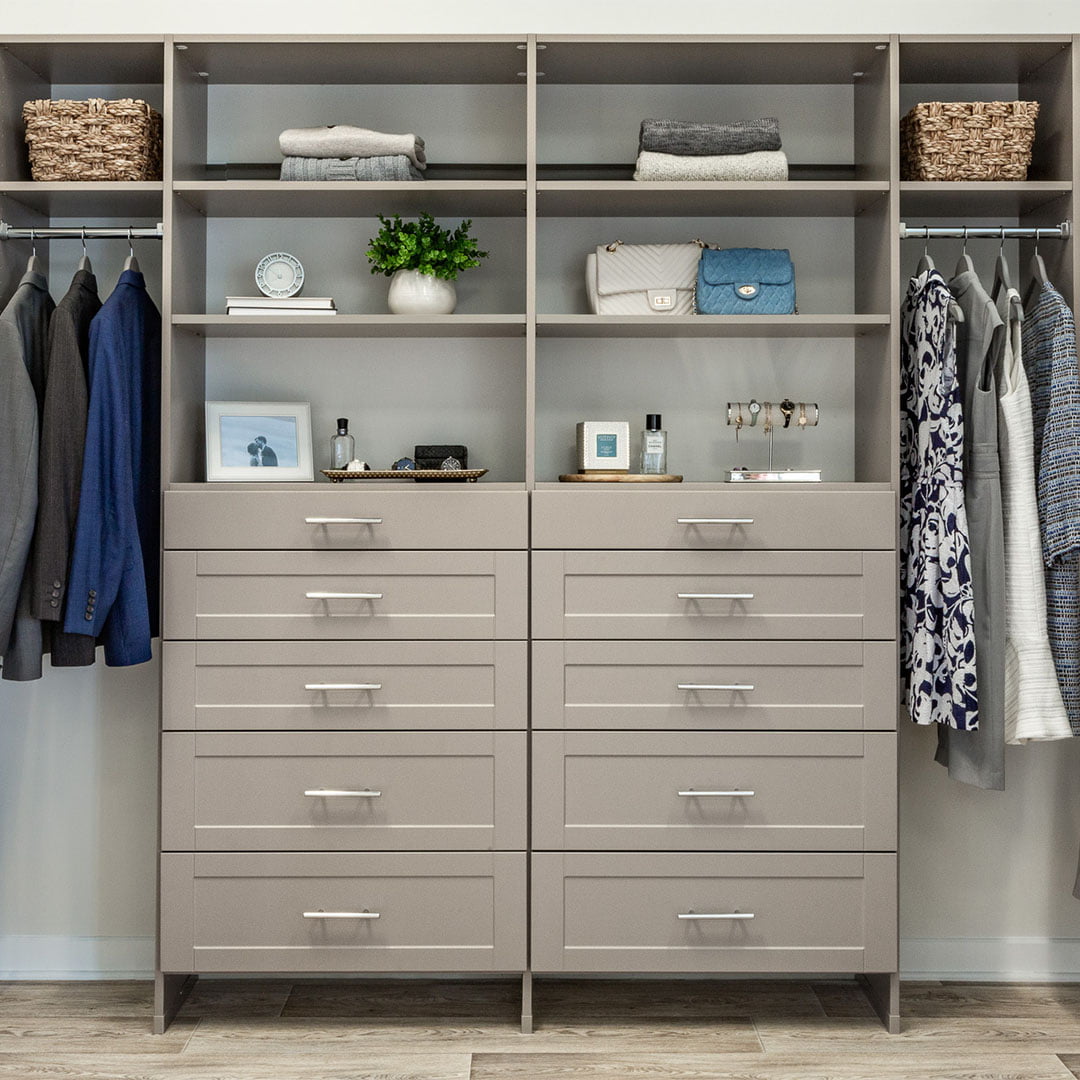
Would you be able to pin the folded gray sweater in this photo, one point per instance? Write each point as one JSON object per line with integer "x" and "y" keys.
{"x": 342, "y": 140}
{"x": 697, "y": 140}
{"x": 759, "y": 165}
{"x": 388, "y": 167}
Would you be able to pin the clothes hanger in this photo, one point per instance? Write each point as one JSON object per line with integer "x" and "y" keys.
{"x": 1002, "y": 279}
{"x": 1039, "y": 276}
{"x": 131, "y": 263}
{"x": 34, "y": 264}
{"x": 964, "y": 265}
{"x": 84, "y": 262}
{"x": 925, "y": 263}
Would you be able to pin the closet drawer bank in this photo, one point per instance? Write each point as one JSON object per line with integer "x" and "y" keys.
{"x": 715, "y": 594}
{"x": 327, "y": 595}
{"x": 339, "y": 791}
{"x": 714, "y": 913}
{"x": 735, "y": 520}
{"x": 354, "y": 519}
{"x": 367, "y": 685}
{"x": 687, "y": 791}
{"x": 743, "y": 685}
{"x": 343, "y": 912}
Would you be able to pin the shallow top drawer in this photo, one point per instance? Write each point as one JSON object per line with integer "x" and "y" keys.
{"x": 640, "y": 516}
{"x": 349, "y": 519}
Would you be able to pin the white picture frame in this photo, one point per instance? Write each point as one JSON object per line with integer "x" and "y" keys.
{"x": 258, "y": 441}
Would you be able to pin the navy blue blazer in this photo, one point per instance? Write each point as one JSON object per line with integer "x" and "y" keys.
{"x": 114, "y": 579}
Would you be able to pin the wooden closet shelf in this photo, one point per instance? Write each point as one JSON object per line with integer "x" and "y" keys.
{"x": 92, "y": 198}
{"x": 672, "y": 326}
{"x": 347, "y": 326}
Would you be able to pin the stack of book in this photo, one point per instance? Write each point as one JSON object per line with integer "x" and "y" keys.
{"x": 291, "y": 305}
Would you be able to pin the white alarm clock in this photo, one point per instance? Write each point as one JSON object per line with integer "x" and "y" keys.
{"x": 279, "y": 274}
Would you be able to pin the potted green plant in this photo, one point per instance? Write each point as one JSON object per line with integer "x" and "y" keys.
{"x": 422, "y": 260}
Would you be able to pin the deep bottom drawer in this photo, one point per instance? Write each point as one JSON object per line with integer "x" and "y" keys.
{"x": 714, "y": 913}
{"x": 343, "y": 912}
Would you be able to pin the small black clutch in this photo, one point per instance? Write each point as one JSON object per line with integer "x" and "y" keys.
{"x": 432, "y": 457}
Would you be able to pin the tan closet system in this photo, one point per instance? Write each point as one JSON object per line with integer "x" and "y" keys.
{"x": 530, "y": 753}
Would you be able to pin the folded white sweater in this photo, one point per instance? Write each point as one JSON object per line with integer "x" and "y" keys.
{"x": 343, "y": 141}
{"x": 757, "y": 165}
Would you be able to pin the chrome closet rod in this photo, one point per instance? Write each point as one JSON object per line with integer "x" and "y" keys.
{"x": 973, "y": 232}
{"x": 91, "y": 232}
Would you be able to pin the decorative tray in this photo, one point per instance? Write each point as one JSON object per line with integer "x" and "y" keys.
{"x": 336, "y": 476}
{"x": 620, "y": 478}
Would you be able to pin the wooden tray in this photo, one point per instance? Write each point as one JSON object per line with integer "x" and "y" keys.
{"x": 336, "y": 476}
{"x": 619, "y": 478}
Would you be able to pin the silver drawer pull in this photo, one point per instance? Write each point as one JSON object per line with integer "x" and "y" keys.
{"x": 730, "y": 794}
{"x": 343, "y": 686}
{"x": 344, "y": 915}
{"x": 342, "y": 521}
{"x": 344, "y": 595}
{"x": 715, "y": 595}
{"x": 745, "y": 688}
{"x": 723, "y": 915}
{"x": 714, "y": 521}
{"x": 332, "y": 793}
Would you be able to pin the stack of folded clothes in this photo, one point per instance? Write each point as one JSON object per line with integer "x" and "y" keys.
{"x": 683, "y": 150}
{"x": 341, "y": 152}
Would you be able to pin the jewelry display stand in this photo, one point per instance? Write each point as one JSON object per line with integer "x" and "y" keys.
{"x": 747, "y": 414}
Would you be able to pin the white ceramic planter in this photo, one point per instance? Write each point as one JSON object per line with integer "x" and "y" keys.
{"x": 413, "y": 293}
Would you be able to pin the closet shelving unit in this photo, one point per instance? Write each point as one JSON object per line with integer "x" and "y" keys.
{"x": 561, "y": 655}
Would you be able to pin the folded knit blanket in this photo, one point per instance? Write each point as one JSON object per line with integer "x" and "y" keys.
{"x": 700, "y": 140}
{"x": 387, "y": 167}
{"x": 759, "y": 165}
{"x": 341, "y": 140}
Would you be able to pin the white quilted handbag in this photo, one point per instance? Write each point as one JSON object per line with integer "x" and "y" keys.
{"x": 642, "y": 279}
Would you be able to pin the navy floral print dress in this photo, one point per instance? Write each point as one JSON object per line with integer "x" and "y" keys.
{"x": 937, "y": 619}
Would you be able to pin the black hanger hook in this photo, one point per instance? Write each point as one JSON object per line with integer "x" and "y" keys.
{"x": 131, "y": 245}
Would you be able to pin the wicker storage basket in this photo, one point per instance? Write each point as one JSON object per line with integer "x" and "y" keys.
{"x": 93, "y": 140}
{"x": 967, "y": 140}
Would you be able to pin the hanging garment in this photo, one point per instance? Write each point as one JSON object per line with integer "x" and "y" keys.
{"x": 24, "y": 327}
{"x": 978, "y": 758}
{"x": 63, "y": 435}
{"x": 937, "y": 642}
{"x": 1034, "y": 709}
{"x": 1049, "y": 340}
{"x": 113, "y": 582}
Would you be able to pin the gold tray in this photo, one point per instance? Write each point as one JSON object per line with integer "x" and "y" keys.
{"x": 336, "y": 476}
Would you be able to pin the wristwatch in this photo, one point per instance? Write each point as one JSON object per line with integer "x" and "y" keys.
{"x": 754, "y": 408}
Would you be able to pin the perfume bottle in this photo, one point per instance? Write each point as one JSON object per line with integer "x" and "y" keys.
{"x": 342, "y": 446}
{"x": 653, "y": 446}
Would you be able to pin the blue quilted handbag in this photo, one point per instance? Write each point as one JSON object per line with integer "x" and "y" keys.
{"x": 745, "y": 281}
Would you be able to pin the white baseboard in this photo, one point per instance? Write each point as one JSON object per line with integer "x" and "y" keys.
{"x": 1011, "y": 958}
{"x": 57, "y": 956}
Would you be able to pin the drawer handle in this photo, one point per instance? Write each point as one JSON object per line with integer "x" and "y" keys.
{"x": 714, "y": 521}
{"x": 745, "y": 688}
{"x": 731, "y": 794}
{"x": 343, "y": 686}
{"x": 722, "y": 915}
{"x": 332, "y": 793}
{"x": 344, "y": 595}
{"x": 342, "y": 915}
{"x": 342, "y": 521}
{"x": 715, "y": 595}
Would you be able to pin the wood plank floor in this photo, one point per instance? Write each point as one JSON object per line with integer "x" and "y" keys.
{"x": 420, "y": 1029}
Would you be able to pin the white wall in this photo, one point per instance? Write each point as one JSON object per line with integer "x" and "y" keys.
{"x": 986, "y": 876}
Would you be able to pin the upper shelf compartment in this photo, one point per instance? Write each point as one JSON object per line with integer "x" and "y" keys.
{"x": 831, "y": 98}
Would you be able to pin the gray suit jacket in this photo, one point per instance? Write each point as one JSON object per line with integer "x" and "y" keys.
{"x": 24, "y": 327}
{"x": 63, "y": 436}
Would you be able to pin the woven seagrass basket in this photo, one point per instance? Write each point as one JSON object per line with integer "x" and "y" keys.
{"x": 93, "y": 140}
{"x": 967, "y": 140}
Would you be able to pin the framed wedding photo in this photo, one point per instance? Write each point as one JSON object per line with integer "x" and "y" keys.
{"x": 259, "y": 441}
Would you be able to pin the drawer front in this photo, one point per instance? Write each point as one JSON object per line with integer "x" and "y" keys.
{"x": 338, "y": 791}
{"x": 298, "y": 685}
{"x": 732, "y": 519}
{"x": 435, "y": 912}
{"x": 327, "y": 595}
{"x": 728, "y": 791}
{"x": 347, "y": 518}
{"x": 832, "y": 595}
{"x": 744, "y": 685}
{"x": 791, "y": 912}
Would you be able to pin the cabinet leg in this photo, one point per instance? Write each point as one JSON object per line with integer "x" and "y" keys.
{"x": 884, "y": 994}
{"x": 526, "y": 1003}
{"x": 170, "y": 991}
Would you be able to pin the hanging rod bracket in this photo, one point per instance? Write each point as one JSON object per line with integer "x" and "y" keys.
{"x": 1062, "y": 231}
